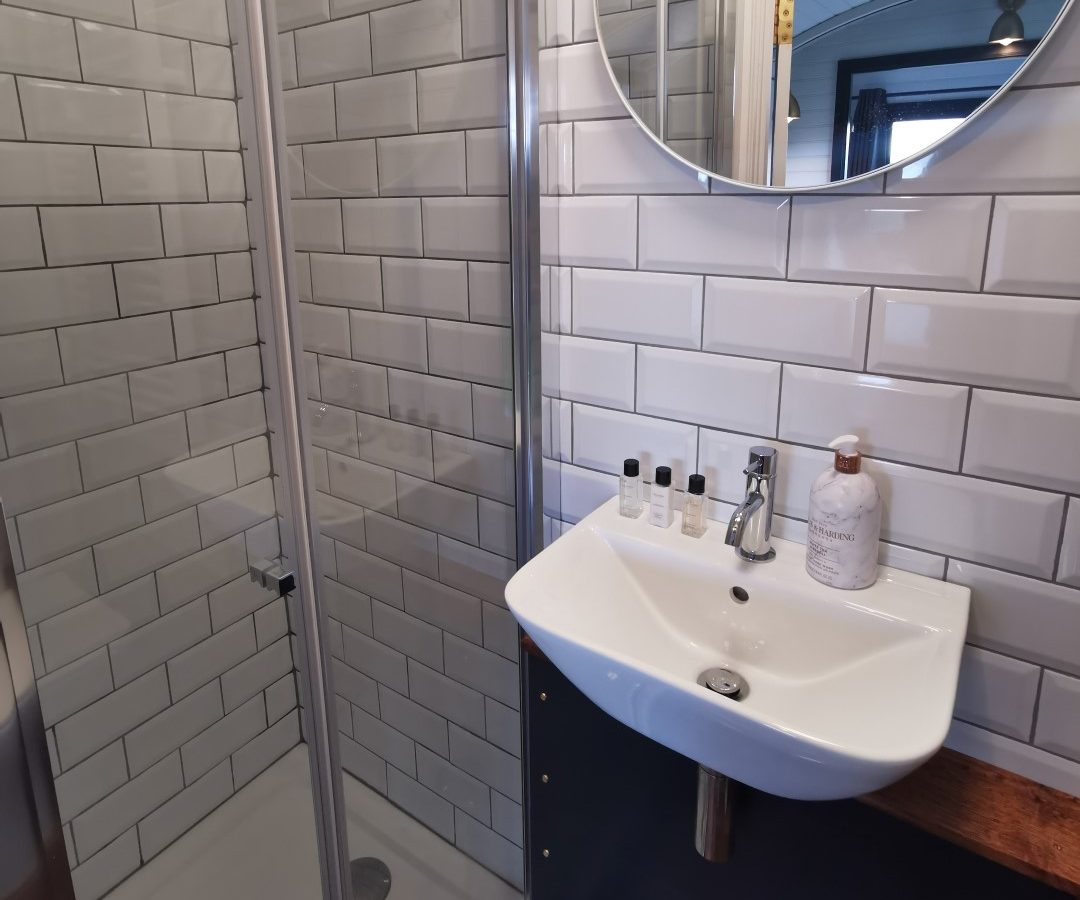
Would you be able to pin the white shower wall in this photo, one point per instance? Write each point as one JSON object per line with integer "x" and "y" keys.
{"x": 134, "y": 462}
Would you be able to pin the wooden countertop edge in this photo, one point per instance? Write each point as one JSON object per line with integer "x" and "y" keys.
{"x": 1012, "y": 820}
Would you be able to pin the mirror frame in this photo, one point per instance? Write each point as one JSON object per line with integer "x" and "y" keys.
{"x": 990, "y": 102}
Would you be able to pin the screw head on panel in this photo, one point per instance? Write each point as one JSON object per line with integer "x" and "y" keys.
{"x": 543, "y": 696}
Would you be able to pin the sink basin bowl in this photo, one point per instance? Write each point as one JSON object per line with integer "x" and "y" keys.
{"x": 847, "y": 691}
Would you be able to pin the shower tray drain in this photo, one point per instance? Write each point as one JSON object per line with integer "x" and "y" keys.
{"x": 370, "y": 878}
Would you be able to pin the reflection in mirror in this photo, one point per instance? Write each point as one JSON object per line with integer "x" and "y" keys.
{"x": 802, "y": 93}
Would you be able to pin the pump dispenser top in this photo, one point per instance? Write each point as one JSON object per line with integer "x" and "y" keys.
{"x": 847, "y": 458}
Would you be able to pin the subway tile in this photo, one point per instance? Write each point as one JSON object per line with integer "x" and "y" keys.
{"x": 103, "y": 722}
{"x": 309, "y": 114}
{"x": 473, "y": 570}
{"x": 20, "y": 238}
{"x": 173, "y": 818}
{"x": 380, "y": 738}
{"x": 77, "y": 235}
{"x": 281, "y": 698}
{"x": 368, "y": 107}
{"x": 603, "y": 438}
{"x": 426, "y": 287}
{"x": 137, "y": 175}
{"x": 422, "y": 164}
{"x": 341, "y": 169}
{"x": 615, "y": 156}
{"x": 476, "y": 353}
{"x": 11, "y": 124}
{"x": 440, "y": 403}
{"x": 49, "y": 173}
{"x": 114, "y": 12}
{"x": 557, "y": 159}
{"x": 226, "y": 422}
{"x": 358, "y": 688}
{"x": 508, "y": 819}
{"x": 213, "y": 67}
{"x": 124, "y": 807}
{"x": 67, "y": 690}
{"x": 376, "y": 660}
{"x": 54, "y": 531}
{"x": 1033, "y": 222}
{"x": 588, "y": 371}
{"x": 493, "y": 415}
{"x": 197, "y": 123}
{"x": 145, "y": 648}
{"x": 162, "y": 284}
{"x": 384, "y": 226}
{"x": 252, "y": 460}
{"x": 234, "y": 276}
{"x": 45, "y": 298}
{"x": 243, "y": 368}
{"x": 649, "y": 307}
{"x": 66, "y": 112}
{"x": 317, "y": 225}
{"x": 857, "y": 239}
{"x": 223, "y": 516}
{"x": 296, "y": 13}
{"x": 334, "y": 51}
{"x": 497, "y": 528}
{"x": 416, "y": 639}
{"x": 81, "y": 786}
{"x": 503, "y": 726}
{"x": 225, "y": 176}
{"x": 1025, "y": 343}
{"x": 817, "y": 324}
{"x": 411, "y": 35}
{"x": 103, "y": 871}
{"x": 467, "y": 228}
{"x": 476, "y": 467}
{"x": 204, "y": 228}
{"x": 420, "y": 724}
{"x": 193, "y": 668}
{"x": 1069, "y": 563}
{"x": 325, "y": 330}
{"x": 722, "y": 391}
{"x": 490, "y": 849}
{"x": 481, "y": 669}
{"x": 223, "y": 738}
{"x": 501, "y": 632}
{"x": 58, "y": 586}
{"x": 463, "y": 95}
{"x": 360, "y": 482}
{"x": 145, "y": 549}
{"x": 1018, "y": 438}
{"x": 1058, "y": 726}
{"x": 187, "y": 483}
{"x": 213, "y": 329}
{"x": 363, "y": 764}
{"x": 50, "y": 417}
{"x": 105, "y": 348}
{"x": 348, "y": 606}
{"x": 134, "y": 59}
{"x": 420, "y": 802}
{"x": 370, "y": 574}
{"x": 486, "y": 156}
{"x": 200, "y": 20}
{"x": 997, "y": 692}
{"x": 909, "y": 421}
{"x": 458, "y": 787}
{"x": 1021, "y": 617}
{"x": 437, "y": 508}
{"x": 574, "y": 84}
{"x": 446, "y": 697}
{"x": 491, "y": 765}
{"x": 340, "y": 520}
{"x": 119, "y": 454}
{"x": 339, "y": 280}
{"x": 592, "y": 231}
{"x": 333, "y": 428}
{"x": 236, "y": 600}
{"x": 402, "y": 543}
{"x": 183, "y": 385}
{"x": 35, "y": 44}
{"x": 390, "y": 340}
{"x": 29, "y": 362}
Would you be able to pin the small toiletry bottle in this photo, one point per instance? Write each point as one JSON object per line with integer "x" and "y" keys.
{"x": 630, "y": 489}
{"x": 660, "y": 511}
{"x": 844, "y": 522}
{"x": 693, "y": 515}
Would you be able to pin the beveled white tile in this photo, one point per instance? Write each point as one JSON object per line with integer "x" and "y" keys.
{"x": 384, "y": 226}
{"x": 936, "y": 242}
{"x": 296, "y": 13}
{"x": 1023, "y": 342}
{"x": 557, "y": 158}
{"x": 146, "y": 176}
{"x": 47, "y": 173}
{"x": 648, "y": 307}
{"x": 391, "y": 340}
{"x": 213, "y": 71}
{"x": 730, "y": 235}
{"x": 103, "y": 348}
{"x": 396, "y": 445}
{"x": 489, "y": 293}
{"x": 575, "y": 85}
{"x": 200, "y": 20}
{"x": 1021, "y": 145}
{"x": 354, "y": 385}
{"x": 64, "y": 413}
{"x": 29, "y": 362}
{"x": 412, "y": 35}
{"x": 226, "y": 422}
{"x": 342, "y": 280}
{"x": 287, "y": 60}
{"x": 997, "y": 692}
{"x": 589, "y": 371}
{"x": 204, "y": 228}
{"x": 135, "y": 59}
{"x": 464, "y": 95}
{"x": 441, "y": 403}
{"x": 470, "y": 352}
{"x": 32, "y": 43}
{"x": 20, "y": 238}
{"x": 493, "y": 415}
{"x": 11, "y": 126}
{"x": 1020, "y": 438}
{"x": 822, "y": 324}
{"x": 35, "y": 479}
{"x": 483, "y": 28}
{"x": 909, "y": 421}
{"x": 44, "y": 298}
{"x": 604, "y": 438}
{"x": 422, "y": 165}
{"x": 325, "y": 330}
{"x": 437, "y": 508}
{"x": 467, "y": 227}
{"x": 486, "y": 161}
{"x": 317, "y": 225}
{"x": 225, "y": 176}
{"x": 235, "y": 276}
{"x": 341, "y": 169}
{"x": 480, "y": 468}
{"x": 76, "y": 235}
{"x": 1058, "y": 726}
{"x": 1030, "y": 251}
{"x": 721, "y": 391}
{"x": 615, "y": 156}
{"x": 212, "y": 329}
{"x": 115, "y": 455}
{"x": 198, "y": 123}
{"x": 589, "y": 231}
{"x": 426, "y": 287}
{"x": 334, "y": 51}
{"x": 1069, "y": 563}
{"x": 309, "y": 114}
{"x": 83, "y": 113}
{"x": 115, "y": 12}
{"x": 367, "y": 107}
{"x": 183, "y": 385}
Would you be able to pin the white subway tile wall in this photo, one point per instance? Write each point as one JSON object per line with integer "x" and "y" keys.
{"x": 135, "y": 464}
{"x": 395, "y": 114}
{"x": 933, "y": 313}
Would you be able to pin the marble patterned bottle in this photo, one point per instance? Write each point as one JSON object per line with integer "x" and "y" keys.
{"x": 844, "y": 522}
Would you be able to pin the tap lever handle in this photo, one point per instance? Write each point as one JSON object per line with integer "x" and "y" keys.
{"x": 762, "y": 463}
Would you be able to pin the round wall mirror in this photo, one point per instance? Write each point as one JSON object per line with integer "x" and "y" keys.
{"x": 798, "y": 94}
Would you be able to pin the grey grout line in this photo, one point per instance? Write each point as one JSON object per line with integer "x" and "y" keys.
{"x": 986, "y": 245}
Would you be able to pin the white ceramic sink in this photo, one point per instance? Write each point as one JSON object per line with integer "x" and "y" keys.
{"x": 848, "y": 691}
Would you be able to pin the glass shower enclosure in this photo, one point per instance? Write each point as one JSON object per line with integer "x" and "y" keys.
{"x": 264, "y": 308}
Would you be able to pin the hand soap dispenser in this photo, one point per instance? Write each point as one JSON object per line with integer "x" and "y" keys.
{"x": 844, "y": 522}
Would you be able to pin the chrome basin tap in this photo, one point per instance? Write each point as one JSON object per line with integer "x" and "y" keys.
{"x": 750, "y": 527}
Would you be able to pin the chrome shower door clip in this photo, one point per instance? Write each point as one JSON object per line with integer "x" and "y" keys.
{"x": 272, "y": 576}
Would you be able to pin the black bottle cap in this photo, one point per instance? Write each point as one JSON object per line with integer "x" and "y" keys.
{"x": 663, "y": 476}
{"x": 697, "y": 484}
{"x": 630, "y": 468}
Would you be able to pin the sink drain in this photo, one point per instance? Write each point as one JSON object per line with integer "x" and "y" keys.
{"x": 724, "y": 682}
{"x": 370, "y": 878}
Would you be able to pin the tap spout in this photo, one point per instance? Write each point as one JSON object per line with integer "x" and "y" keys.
{"x": 745, "y": 511}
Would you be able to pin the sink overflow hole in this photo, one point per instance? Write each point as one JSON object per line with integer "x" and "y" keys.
{"x": 740, "y": 595}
